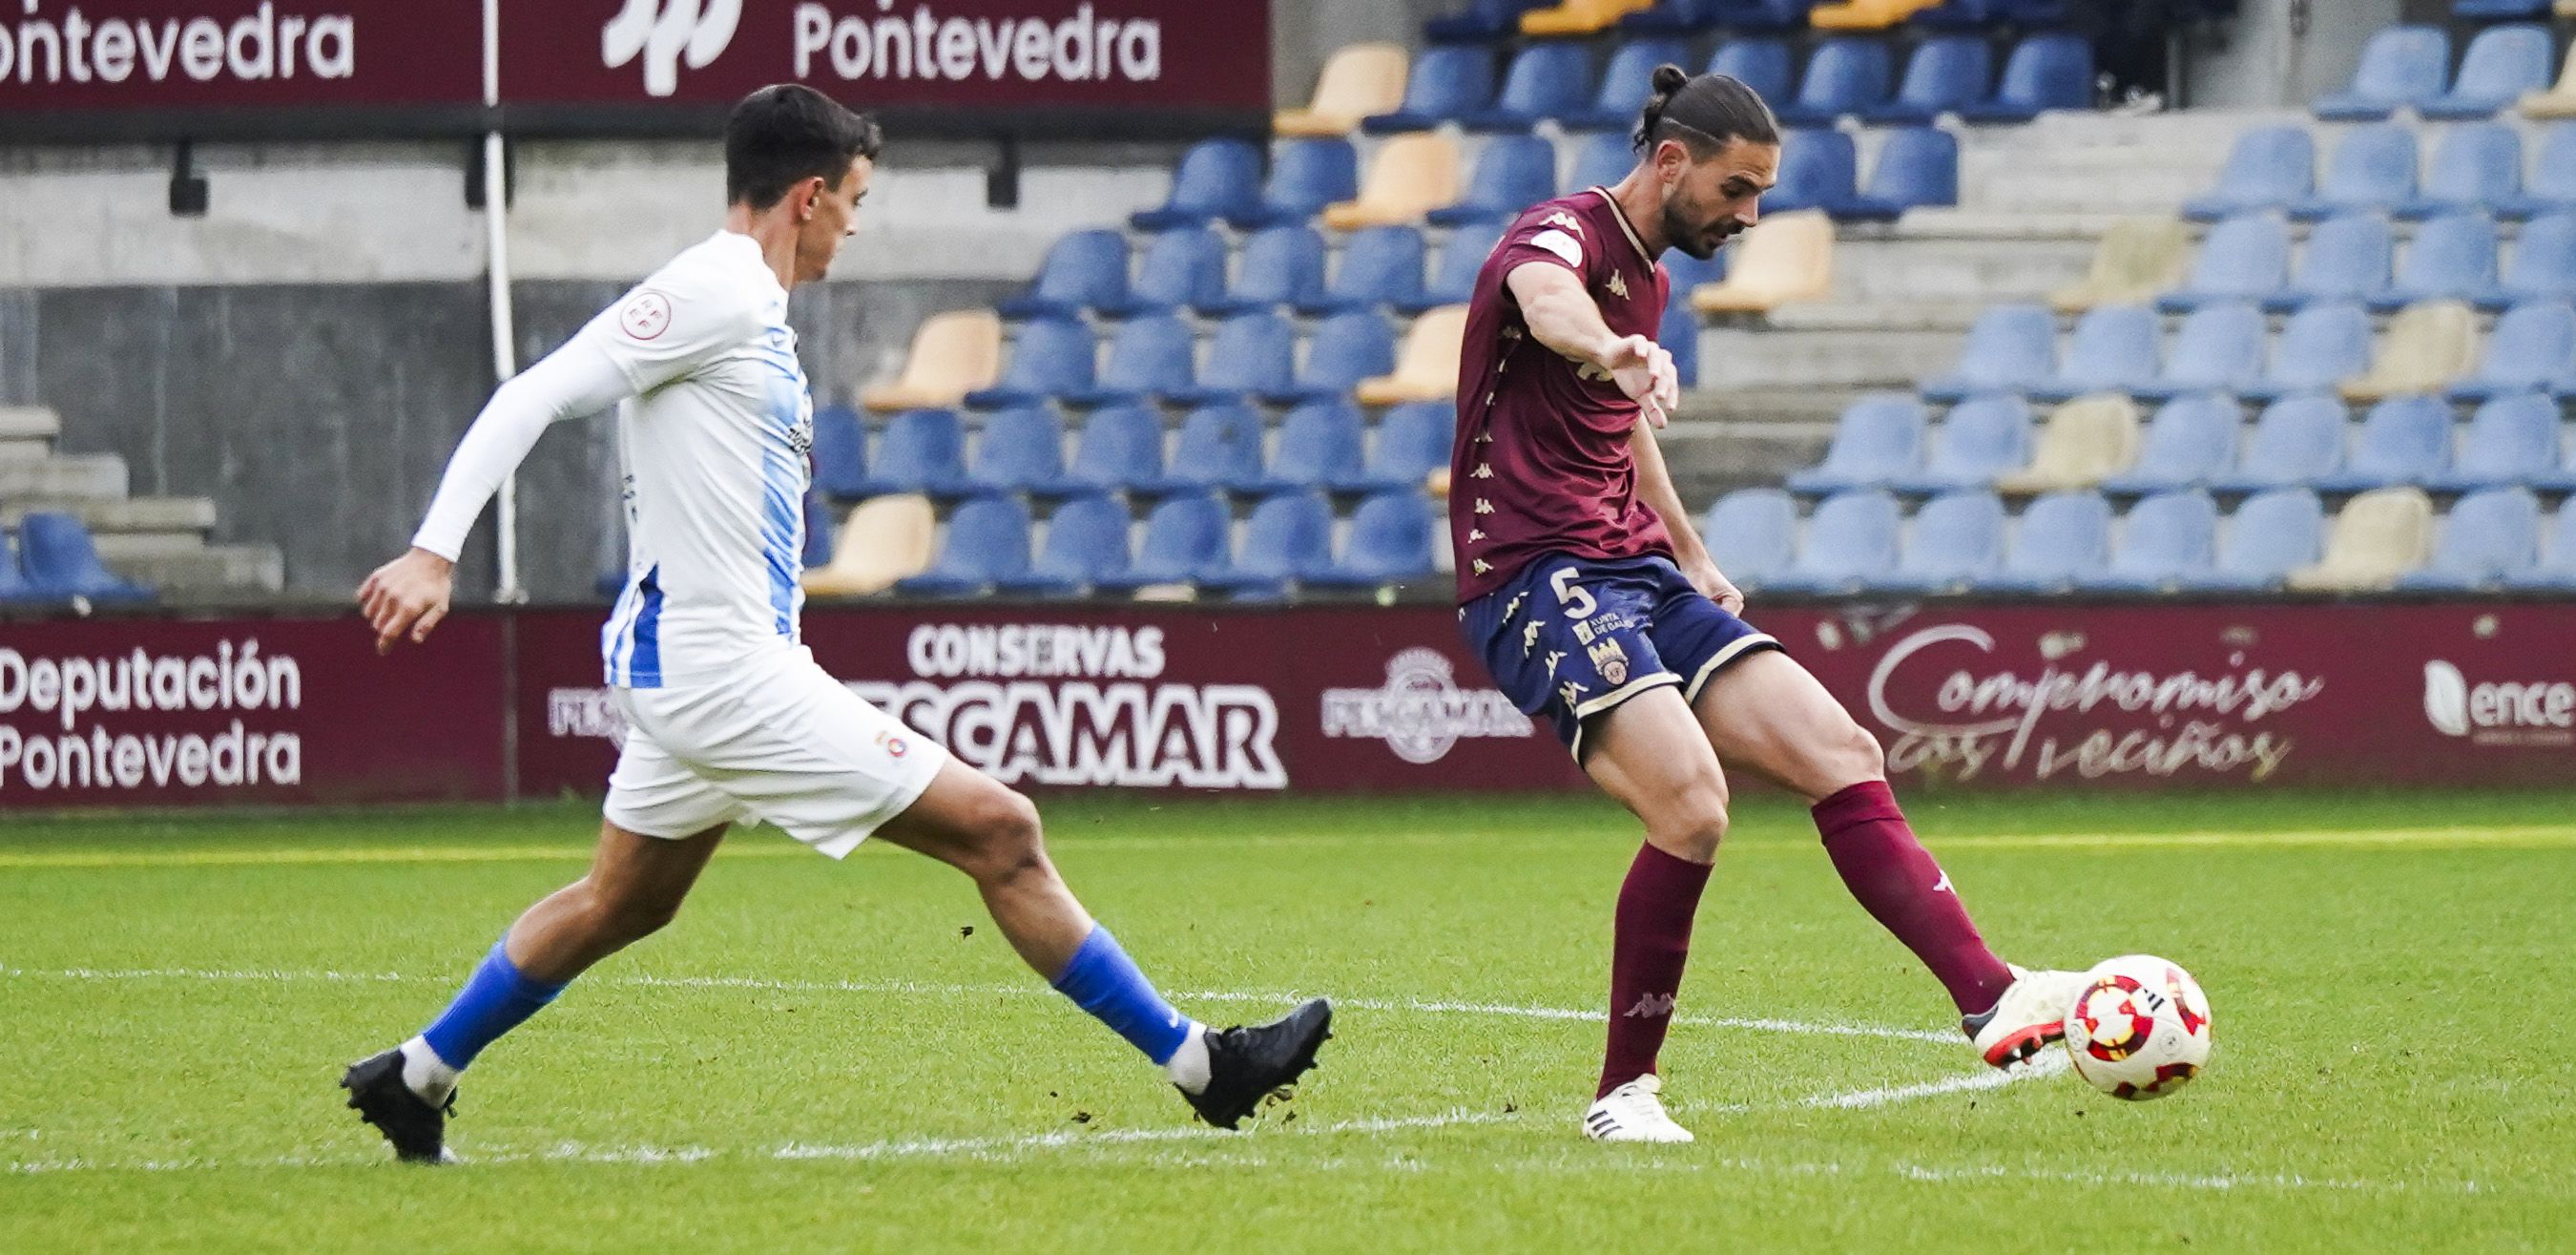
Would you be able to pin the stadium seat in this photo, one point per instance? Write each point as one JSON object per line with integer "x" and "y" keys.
{"x": 987, "y": 540}
{"x": 1864, "y": 15}
{"x": 1980, "y": 439}
{"x": 1049, "y": 357}
{"x": 1601, "y": 160}
{"x": 1672, "y": 17}
{"x": 2270, "y": 535}
{"x": 2045, "y": 71}
{"x": 1411, "y": 441}
{"x": 1479, "y": 22}
{"x": 1879, "y": 439}
{"x": 952, "y": 355}
{"x": 1083, "y": 270}
{"x": 2559, "y": 101}
{"x": 2400, "y": 66}
{"x": 2189, "y": 441}
{"x": 16, "y": 591}
{"x": 1410, "y": 176}
{"x": 1956, "y": 540}
{"x": 1346, "y": 349}
{"x": 2271, "y": 167}
{"x": 2488, "y": 539}
{"x": 1917, "y": 167}
{"x": 1762, "y": 15}
{"x": 1513, "y": 173}
{"x": 2477, "y": 165}
{"x": 2245, "y": 258}
{"x": 2373, "y": 168}
{"x": 2513, "y": 439}
{"x": 1578, "y": 17}
{"x": 59, "y": 560}
{"x": 2532, "y": 347}
{"x": 1446, "y": 84}
{"x": 1279, "y": 266}
{"x": 1086, "y": 543}
{"x": 1377, "y": 266}
{"x": 2503, "y": 64}
{"x": 2219, "y": 348}
{"x": 2428, "y": 347}
{"x": 2497, "y": 10}
{"x": 1783, "y": 258}
{"x": 1545, "y": 81}
{"x": 921, "y": 451}
{"x": 2551, "y": 185}
{"x": 2452, "y": 257}
{"x": 2113, "y": 348}
{"x": 2165, "y": 539}
{"x": 1850, "y": 540}
{"x": 2083, "y": 442}
{"x": 1218, "y": 178}
{"x": 2350, "y": 257}
{"x": 1185, "y": 537}
{"x": 1945, "y": 74}
{"x": 2323, "y": 344}
{"x": 818, "y": 532}
{"x": 1818, "y": 169}
{"x": 2009, "y": 348}
{"x": 1319, "y": 444}
{"x": 1120, "y": 445}
{"x": 2296, "y": 441}
{"x": 2379, "y": 536}
{"x": 2543, "y": 265}
{"x": 885, "y": 539}
{"x": 1389, "y": 543}
{"x": 1152, "y": 356}
{"x": 2061, "y": 538}
{"x": 1750, "y": 534}
{"x": 1305, "y": 176}
{"x": 1251, "y": 354}
{"x": 1426, "y": 363}
{"x": 1454, "y": 268}
{"x": 1019, "y": 450}
{"x": 2137, "y": 259}
{"x": 1181, "y": 268}
{"x": 1287, "y": 538}
{"x": 1625, "y": 85}
{"x": 840, "y": 453}
{"x": 2556, "y": 568}
{"x": 1679, "y": 332}
{"x": 1218, "y": 445}
{"x": 1359, "y": 81}
{"x": 1845, "y": 76}
{"x": 2403, "y": 440}
{"x": 1765, "y": 65}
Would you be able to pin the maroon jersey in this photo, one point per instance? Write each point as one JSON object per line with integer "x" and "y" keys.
{"x": 1541, "y": 463}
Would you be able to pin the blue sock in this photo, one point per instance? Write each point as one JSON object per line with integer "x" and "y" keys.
{"x": 494, "y": 1001}
{"x": 1102, "y": 980}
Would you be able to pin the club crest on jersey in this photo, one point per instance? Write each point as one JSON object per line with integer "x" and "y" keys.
{"x": 1610, "y": 660}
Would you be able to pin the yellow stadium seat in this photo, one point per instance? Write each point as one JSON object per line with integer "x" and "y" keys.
{"x": 2137, "y": 259}
{"x": 1785, "y": 257}
{"x": 1580, "y": 17}
{"x": 1865, "y": 15}
{"x": 2564, "y": 8}
{"x": 886, "y": 539}
{"x": 1426, "y": 368}
{"x": 1361, "y": 80}
{"x": 952, "y": 354}
{"x": 2558, "y": 101}
{"x": 2428, "y": 345}
{"x": 2381, "y": 534}
{"x": 1410, "y": 176}
{"x": 2086, "y": 439}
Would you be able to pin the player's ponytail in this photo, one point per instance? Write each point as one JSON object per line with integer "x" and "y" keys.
{"x": 1705, "y": 113}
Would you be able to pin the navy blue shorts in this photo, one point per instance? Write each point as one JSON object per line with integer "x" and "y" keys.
{"x": 1573, "y": 637}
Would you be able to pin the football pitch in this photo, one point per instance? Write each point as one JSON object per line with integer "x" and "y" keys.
{"x": 848, "y": 1057}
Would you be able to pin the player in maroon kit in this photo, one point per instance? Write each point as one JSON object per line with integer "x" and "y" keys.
{"x": 1588, "y": 594}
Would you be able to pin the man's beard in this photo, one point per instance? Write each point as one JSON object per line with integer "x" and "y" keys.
{"x": 1682, "y": 232}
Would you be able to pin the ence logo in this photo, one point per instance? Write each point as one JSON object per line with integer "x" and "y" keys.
{"x": 2507, "y": 712}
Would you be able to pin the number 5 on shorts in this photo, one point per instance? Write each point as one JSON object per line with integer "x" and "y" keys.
{"x": 1578, "y": 603}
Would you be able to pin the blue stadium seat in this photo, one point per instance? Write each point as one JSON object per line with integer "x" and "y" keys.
{"x": 2270, "y": 167}
{"x": 2403, "y": 440}
{"x": 2322, "y": 345}
{"x": 2400, "y": 66}
{"x": 2114, "y": 349}
{"x": 2245, "y": 258}
{"x": 1845, "y": 75}
{"x": 1082, "y": 270}
{"x": 1378, "y": 266}
{"x": 1547, "y": 79}
{"x": 1217, "y": 178}
{"x": 2009, "y": 348}
{"x": 1181, "y": 268}
{"x": 1120, "y": 445}
{"x": 2501, "y": 64}
{"x": 1945, "y": 74}
{"x": 1346, "y": 349}
{"x": 1916, "y": 167}
{"x": 1672, "y": 17}
{"x": 1152, "y": 356}
{"x": 920, "y": 451}
{"x": 1445, "y": 84}
{"x": 1481, "y": 20}
{"x": 2451, "y": 257}
{"x": 1288, "y": 538}
{"x": 1454, "y": 269}
{"x": 987, "y": 540}
{"x": 2551, "y": 186}
{"x": 1762, "y": 15}
{"x": 2488, "y": 538}
{"x": 59, "y": 560}
{"x": 1280, "y": 266}
{"x": 16, "y": 591}
{"x": 2556, "y": 569}
{"x": 2543, "y": 266}
{"x": 1957, "y": 540}
{"x": 1678, "y": 333}
{"x": 1250, "y": 355}
{"x": 2219, "y": 348}
{"x": 2270, "y": 535}
{"x": 1751, "y": 534}
{"x": 2476, "y": 166}
{"x": 1851, "y": 540}
{"x": 2373, "y": 168}
{"x": 840, "y": 453}
{"x": 1305, "y": 176}
{"x": 2498, "y": 10}
{"x": 2296, "y": 440}
{"x": 1218, "y": 445}
{"x": 1878, "y": 439}
{"x": 1818, "y": 167}
{"x": 2350, "y": 257}
{"x": 2533, "y": 346}
{"x": 1389, "y": 543}
{"x": 1021, "y": 450}
{"x": 1049, "y": 357}
{"x": 1319, "y": 444}
{"x": 1625, "y": 85}
{"x": 1765, "y": 65}
{"x": 1512, "y": 174}
{"x": 2190, "y": 439}
{"x": 1185, "y": 537}
{"x": 2062, "y": 537}
{"x": 2512, "y": 439}
{"x": 1412, "y": 440}
{"x": 2165, "y": 539}
{"x": 1086, "y": 544}
{"x": 1975, "y": 15}
{"x": 1981, "y": 438}
{"x": 1601, "y": 160}
{"x": 2046, "y": 71}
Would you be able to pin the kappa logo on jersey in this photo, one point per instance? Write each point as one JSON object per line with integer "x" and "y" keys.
{"x": 666, "y": 32}
{"x": 1566, "y": 220}
{"x": 1610, "y": 660}
{"x": 1572, "y": 691}
{"x": 645, "y": 316}
{"x": 1618, "y": 285}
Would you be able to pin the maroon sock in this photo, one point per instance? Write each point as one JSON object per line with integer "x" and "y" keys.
{"x": 1895, "y": 878}
{"x": 1652, "y": 943}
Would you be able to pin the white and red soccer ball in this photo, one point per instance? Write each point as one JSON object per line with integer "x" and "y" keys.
{"x": 2140, "y": 1029}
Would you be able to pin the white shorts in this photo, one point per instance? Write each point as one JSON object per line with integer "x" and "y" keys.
{"x": 784, "y": 742}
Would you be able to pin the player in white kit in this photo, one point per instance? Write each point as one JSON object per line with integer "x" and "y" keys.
{"x": 729, "y": 718}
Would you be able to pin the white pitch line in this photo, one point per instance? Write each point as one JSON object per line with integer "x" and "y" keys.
{"x": 2045, "y": 1063}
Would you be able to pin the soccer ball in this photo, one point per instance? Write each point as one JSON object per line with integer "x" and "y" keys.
{"x": 2140, "y": 1029}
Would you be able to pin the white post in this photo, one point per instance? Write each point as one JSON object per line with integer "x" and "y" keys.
{"x": 505, "y": 357}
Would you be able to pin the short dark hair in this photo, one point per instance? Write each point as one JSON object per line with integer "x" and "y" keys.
{"x": 1705, "y": 112}
{"x": 780, "y": 136}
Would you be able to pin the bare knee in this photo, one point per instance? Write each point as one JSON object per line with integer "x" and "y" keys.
{"x": 1848, "y": 756}
{"x": 1692, "y": 830}
{"x": 621, "y": 917}
{"x": 1009, "y": 840}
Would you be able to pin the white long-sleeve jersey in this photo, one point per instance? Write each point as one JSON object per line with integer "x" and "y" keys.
{"x": 713, "y": 432}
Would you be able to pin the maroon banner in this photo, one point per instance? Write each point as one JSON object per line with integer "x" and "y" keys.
{"x": 149, "y": 712}
{"x": 178, "y": 55}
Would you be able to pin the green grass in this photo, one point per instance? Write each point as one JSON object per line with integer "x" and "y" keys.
{"x": 2383, "y": 972}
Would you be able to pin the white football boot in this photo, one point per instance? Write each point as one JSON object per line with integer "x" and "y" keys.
{"x": 1634, "y": 1112}
{"x": 2031, "y": 1014}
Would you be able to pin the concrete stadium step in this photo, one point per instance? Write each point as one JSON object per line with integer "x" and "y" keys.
{"x": 2135, "y": 183}
{"x": 28, "y": 431}
{"x": 1948, "y": 270}
{"x": 1951, "y": 317}
{"x": 1734, "y": 356}
{"x": 199, "y": 573}
{"x": 193, "y": 516}
{"x": 1994, "y": 224}
{"x": 1806, "y": 403}
{"x": 1710, "y": 459}
{"x": 62, "y": 476}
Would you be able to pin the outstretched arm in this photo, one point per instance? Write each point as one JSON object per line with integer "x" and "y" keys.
{"x": 1655, "y": 485}
{"x": 1562, "y": 316}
